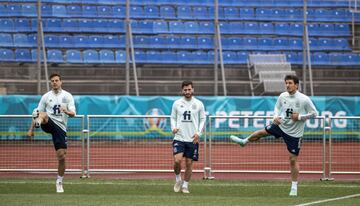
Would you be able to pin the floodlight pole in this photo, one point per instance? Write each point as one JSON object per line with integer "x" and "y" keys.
{"x": 127, "y": 48}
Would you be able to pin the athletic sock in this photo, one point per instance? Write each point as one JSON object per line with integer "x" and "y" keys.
{"x": 294, "y": 185}
{"x": 59, "y": 179}
{"x": 185, "y": 184}
{"x": 178, "y": 177}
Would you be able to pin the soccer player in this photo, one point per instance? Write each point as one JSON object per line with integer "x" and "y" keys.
{"x": 291, "y": 111}
{"x": 187, "y": 123}
{"x": 52, "y": 115}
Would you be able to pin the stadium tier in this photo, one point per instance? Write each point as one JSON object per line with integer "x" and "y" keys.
{"x": 175, "y": 32}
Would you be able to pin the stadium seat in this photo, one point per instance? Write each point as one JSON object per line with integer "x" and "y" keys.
{"x": 120, "y": 56}
{"x": 352, "y": 59}
{"x": 247, "y": 14}
{"x": 205, "y": 42}
{"x": 142, "y": 42}
{"x": 326, "y": 30}
{"x": 250, "y": 44}
{"x": 91, "y": 56}
{"x": 3, "y": 10}
{"x": 296, "y": 29}
{"x": 66, "y": 41}
{"x": 59, "y": 11}
{"x": 266, "y": 28}
{"x": 340, "y": 15}
{"x": 105, "y": 12}
{"x": 201, "y": 57}
{"x": 136, "y": 12}
{"x": 53, "y": 25}
{"x": 107, "y": 57}
{"x": 176, "y": 27}
{"x": 264, "y": 14}
{"x": 13, "y": 10}
{"x": 70, "y": 25}
{"x": 81, "y": 41}
{"x": 6, "y": 40}
{"x": 242, "y": 57}
{"x": 167, "y": 12}
{"x": 188, "y": 42}
{"x": 184, "y": 12}
{"x": 234, "y": 43}
{"x": 251, "y": 28}
{"x": 281, "y": 44}
{"x": 206, "y": 28}
{"x": 89, "y": 11}
{"x": 157, "y": 42}
{"x": 151, "y": 12}
{"x": 191, "y": 27}
{"x": 115, "y": 26}
{"x": 86, "y": 25}
{"x": 230, "y": 57}
{"x": 220, "y": 12}
{"x": 73, "y": 56}
{"x": 52, "y": 41}
{"x": 34, "y": 55}
{"x": 293, "y": 14}
{"x": 23, "y": 40}
{"x": 23, "y": 55}
{"x": 293, "y": 58}
{"x": 295, "y": 44}
{"x": 338, "y": 59}
{"x": 160, "y": 27}
{"x": 140, "y": 57}
{"x": 173, "y": 41}
{"x": 342, "y": 29}
{"x": 169, "y": 57}
{"x": 265, "y": 44}
{"x": 46, "y": 11}
{"x": 55, "y": 56}
{"x": 282, "y": 28}
{"x": 313, "y": 43}
{"x": 201, "y": 12}
{"x": 6, "y": 55}
{"x": 119, "y": 11}
{"x": 184, "y": 57}
{"x": 322, "y": 15}
{"x": 74, "y": 11}
{"x": 320, "y": 58}
{"x": 28, "y": 10}
{"x": 114, "y": 41}
{"x": 22, "y": 25}
{"x": 231, "y": 13}
{"x": 96, "y": 41}
{"x": 6, "y": 25}
{"x": 342, "y": 44}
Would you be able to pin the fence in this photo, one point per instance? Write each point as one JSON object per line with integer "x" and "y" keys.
{"x": 142, "y": 143}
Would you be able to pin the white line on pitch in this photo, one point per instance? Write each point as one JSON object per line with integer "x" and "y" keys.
{"x": 329, "y": 200}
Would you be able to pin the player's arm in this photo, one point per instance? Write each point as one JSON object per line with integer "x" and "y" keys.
{"x": 202, "y": 119}
{"x": 173, "y": 119}
{"x": 310, "y": 109}
{"x": 70, "y": 110}
{"x": 40, "y": 108}
{"x": 277, "y": 112}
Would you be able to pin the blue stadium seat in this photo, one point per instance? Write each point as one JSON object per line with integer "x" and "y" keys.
{"x": 325, "y": 44}
{"x": 6, "y": 55}
{"x": 169, "y": 57}
{"x": 231, "y": 13}
{"x": 338, "y": 59}
{"x": 74, "y": 11}
{"x": 13, "y": 10}
{"x": 70, "y": 25}
{"x": 320, "y": 58}
{"x": 326, "y": 30}
{"x": 66, "y": 41}
{"x": 296, "y": 29}
{"x": 167, "y": 12}
{"x": 22, "y": 25}
{"x": 28, "y": 10}
{"x": 74, "y": 56}
{"x": 53, "y": 25}
{"x": 266, "y": 28}
{"x": 6, "y": 25}
{"x": 136, "y": 12}
{"x": 234, "y": 28}
{"x": 23, "y": 55}
{"x": 3, "y": 10}
{"x": 23, "y": 40}
{"x": 314, "y": 30}
{"x": 230, "y": 57}
{"x": 55, "y": 56}
{"x": 52, "y": 41}
{"x": 201, "y": 57}
{"x": 96, "y": 41}
{"x": 323, "y": 15}
{"x": 91, "y": 56}
{"x": 265, "y": 44}
{"x": 184, "y": 12}
{"x": 293, "y": 14}
{"x": 295, "y": 44}
{"x": 89, "y": 11}
{"x": 153, "y": 57}
{"x": 176, "y": 27}
{"x": 282, "y": 28}
{"x": 6, "y": 40}
{"x": 115, "y": 26}
{"x": 313, "y": 43}
{"x": 158, "y": 42}
{"x": 205, "y": 42}
{"x": 46, "y": 11}
{"x": 151, "y": 12}
{"x": 242, "y": 57}
{"x": 281, "y": 44}
{"x": 250, "y": 43}
{"x": 184, "y": 57}
{"x": 34, "y": 55}
{"x": 342, "y": 29}
{"x": 81, "y": 41}
{"x": 174, "y": 41}
{"x": 188, "y": 42}
{"x": 264, "y": 14}
{"x": 247, "y": 14}
{"x": 105, "y": 12}
{"x": 120, "y": 56}
{"x": 160, "y": 27}
{"x": 59, "y": 11}
{"x": 142, "y": 42}
{"x": 340, "y": 15}
{"x": 251, "y": 28}
{"x": 140, "y": 56}
{"x": 342, "y": 44}
{"x": 86, "y": 25}
{"x": 107, "y": 56}
{"x": 111, "y": 41}
{"x": 206, "y": 28}
{"x": 220, "y": 11}
{"x": 191, "y": 27}
{"x": 201, "y": 12}
{"x": 119, "y": 11}
{"x": 143, "y": 27}
{"x": 352, "y": 59}
{"x": 293, "y": 58}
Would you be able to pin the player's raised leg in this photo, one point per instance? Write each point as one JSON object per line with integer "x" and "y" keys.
{"x": 251, "y": 138}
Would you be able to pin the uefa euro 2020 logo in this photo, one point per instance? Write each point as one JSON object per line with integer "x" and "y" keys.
{"x": 154, "y": 122}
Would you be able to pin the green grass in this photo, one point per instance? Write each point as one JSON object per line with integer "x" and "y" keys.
{"x": 159, "y": 192}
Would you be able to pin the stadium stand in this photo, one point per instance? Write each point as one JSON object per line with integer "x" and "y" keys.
{"x": 173, "y": 33}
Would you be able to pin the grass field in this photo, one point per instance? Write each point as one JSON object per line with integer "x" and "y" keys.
{"x": 159, "y": 192}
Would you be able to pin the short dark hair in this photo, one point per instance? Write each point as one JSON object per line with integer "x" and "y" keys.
{"x": 292, "y": 77}
{"x": 186, "y": 83}
{"x": 55, "y": 75}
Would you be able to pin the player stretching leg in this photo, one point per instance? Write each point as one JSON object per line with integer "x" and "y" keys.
{"x": 187, "y": 123}
{"x": 291, "y": 111}
{"x": 52, "y": 115}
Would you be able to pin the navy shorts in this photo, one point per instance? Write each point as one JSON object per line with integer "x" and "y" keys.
{"x": 189, "y": 149}
{"x": 293, "y": 143}
{"x": 58, "y": 135}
